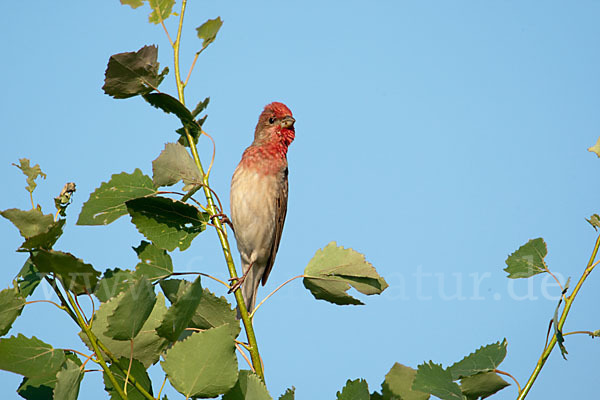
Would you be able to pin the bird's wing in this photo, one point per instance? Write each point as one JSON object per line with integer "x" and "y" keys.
{"x": 280, "y": 212}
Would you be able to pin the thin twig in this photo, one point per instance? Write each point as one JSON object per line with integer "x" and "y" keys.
{"x": 128, "y": 368}
{"x": 510, "y": 376}
{"x": 161, "y": 387}
{"x": 273, "y": 292}
{"x": 579, "y": 332}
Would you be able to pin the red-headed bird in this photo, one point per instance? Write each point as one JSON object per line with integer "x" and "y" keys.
{"x": 259, "y": 194}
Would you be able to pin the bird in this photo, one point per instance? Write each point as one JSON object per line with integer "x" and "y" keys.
{"x": 259, "y": 197}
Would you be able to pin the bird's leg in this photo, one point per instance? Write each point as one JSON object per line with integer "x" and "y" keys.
{"x": 240, "y": 280}
{"x": 224, "y": 219}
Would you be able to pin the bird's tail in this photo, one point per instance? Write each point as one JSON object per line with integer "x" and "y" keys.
{"x": 250, "y": 287}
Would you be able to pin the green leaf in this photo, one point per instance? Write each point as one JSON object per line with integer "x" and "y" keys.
{"x": 134, "y": 73}
{"x": 29, "y": 357}
{"x": 207, "y": 32}
{"x": 154, "y": 262}
{"x": 528, "y": 260}
{"x": 36, "y": 390}
{"x": 354, "y": 390}
{"x": 139, "y": 374}
{"x": 11, "y": 306}
{"x": 212, "y": 311}
{"x": 594, "y": 221}
{"x": 595, "y": 333}
{"x": 203, "y": 365}
{"x": 432, "y": 378}
{"x": 289, "y": 394}
{"x": 30, "y": 223}
{"x": 180, "y": 314}
{"x": 31, "y": 172}
{"x": 107, "y": 203}
{"x": 595, "y": 148}
{"x": 482, "y": 385}
{"x": 67, "y": 381}
{"x": 133, "y": 3}
{"x": 76, "y": 276}
{"x": 200, "y": 107}
{"x": 398, "y": 384}
{"x": 557, "y": 331}
{"x": 133, "y": 309}
{"x": 484, "y": 359}
{"x": 62, "y": 201}
{"x": 147, "y": 345}
{"x": 167, "y": 223}
{"x": 170, "y": 105}
{"x": 113, "y": 282}
{"x": 173, "y": 165}
{"x": 28, "y": 278}
{"x": 248, "y": 386}
{"x": 161, "y": 10}
{"x": 47, "y": 239}
{"x": 334, "y": 269}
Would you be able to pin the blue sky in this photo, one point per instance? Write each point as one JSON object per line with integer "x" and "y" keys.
{"x": 435, "y": 137}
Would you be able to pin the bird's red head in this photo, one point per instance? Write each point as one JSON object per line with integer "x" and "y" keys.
{"x": 275, "y": 124}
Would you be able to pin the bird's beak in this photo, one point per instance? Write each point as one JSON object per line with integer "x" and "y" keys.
{"x": 287, "y": 122}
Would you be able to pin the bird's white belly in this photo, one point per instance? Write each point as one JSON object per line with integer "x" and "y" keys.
{"x": 253, "y": 211}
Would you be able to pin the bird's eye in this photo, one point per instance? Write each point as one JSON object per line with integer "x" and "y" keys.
{"x": 271, "y": 120}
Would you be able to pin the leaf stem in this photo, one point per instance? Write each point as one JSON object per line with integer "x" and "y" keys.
{"x": 273, "y": 292}
{"x": 510, "y": 376}
{"x": 568, "y": 302}
{"x": 221, "y": 233}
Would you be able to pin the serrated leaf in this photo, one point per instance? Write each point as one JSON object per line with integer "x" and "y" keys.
{"x": 212, "y": 311}
{"x": 76, "y": 276}
{"x": 29, "y": 357}
{"x": 175, "y": 164}
{"x": 354, "y": 390}
{"x": 201, "y": 106}
{"x": 138, "y": 372}
{"x": 432, "y": 378}
{"x": 248, "y": 386}
{"x": 482, "y": 385}
{"x": 528, "y": 260}
{"x": 398, "y": 384}
{"x": 203, "y": 365}
{"x": 133, "y": 309}
{"x": 30, "y": 223}
{"x": 107, "y": 203}
{"x": 594, "y": 220}
{"x": 154, "y": 262}
{"x": 289, "y": 394}
{"x": 180, "y": 314}
{"x": 31, "y": 172}
{"x": 595, "y": 333}
{"x": 67, "y": 381}
{"x": 207, "y": 32}
{"x": 170, "y": 105}
{"x": 132, "y": 3}
{"x": 28, "y": 278}
{"x": 167, "y": 223}
{"x": 11, "y": 306}
{"x": 133, "y": 73}
{"x": 332, "y": 270}
{"x": 147, "y": 345}
{"x": 46, "y": 239}
{"x": 485, "y": 359}
{"x": 161, "y": 10}
{"x": 595, "y": 148}
{"x": 36, "y": 390}
{"x": 114, "y": 282}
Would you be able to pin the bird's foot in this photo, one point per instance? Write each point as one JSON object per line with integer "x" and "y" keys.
{"x": 237, "y": 284}
{"x": 223, "y": 218}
